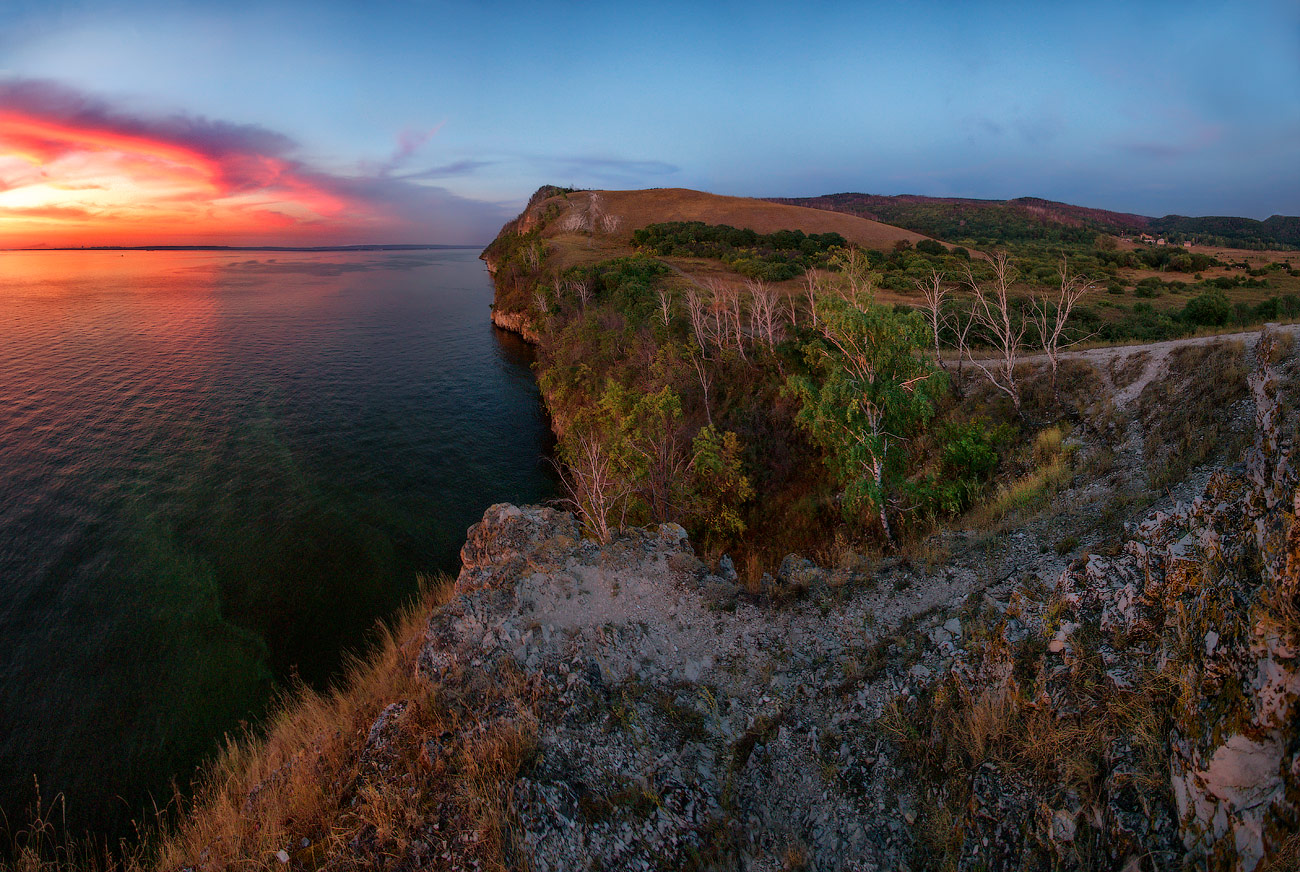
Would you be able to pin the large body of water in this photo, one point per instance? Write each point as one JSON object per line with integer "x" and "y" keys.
{"x": 217, "y": 471}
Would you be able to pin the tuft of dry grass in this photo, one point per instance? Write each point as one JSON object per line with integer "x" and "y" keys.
{"x": 385, "y": 766}
{"x": 1286, "y": 857}
{"x": 1125, "y": 368}
{"x": 1183, "y": 414}
{"x": 1052, "y": 470}
{"x": 954, "y": 728}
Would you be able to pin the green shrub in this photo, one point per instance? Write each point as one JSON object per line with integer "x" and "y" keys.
{"x": 1210, "y": 309}
{"x": 967, "y": 460}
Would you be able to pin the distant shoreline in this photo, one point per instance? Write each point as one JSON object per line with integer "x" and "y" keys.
{"x": 319, "y": 248}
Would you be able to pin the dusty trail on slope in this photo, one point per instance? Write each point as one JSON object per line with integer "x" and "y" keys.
{"x": 1156, "y": 358}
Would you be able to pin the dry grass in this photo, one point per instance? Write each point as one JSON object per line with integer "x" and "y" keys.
{"x": 325, "y": 785}
{"x": 955, "y": 728}
{"x": 1286, "y": 858}
{"x": 1029, "y": 492}
{"x": 635, "y": 209}
{"x": 1125, "y": 368}
{"x": 1184, "y": 414}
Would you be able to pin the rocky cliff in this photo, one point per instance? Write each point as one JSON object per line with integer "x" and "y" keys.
{"x": 1135, "y": 708}
{"x": 1006, "y": 697}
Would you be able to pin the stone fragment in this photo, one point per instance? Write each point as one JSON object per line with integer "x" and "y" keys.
{"x": 1064, "y": 826}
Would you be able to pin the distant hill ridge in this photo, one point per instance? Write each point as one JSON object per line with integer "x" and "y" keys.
{"x": 616, "y": 214}
{"x": 956, "y": 219}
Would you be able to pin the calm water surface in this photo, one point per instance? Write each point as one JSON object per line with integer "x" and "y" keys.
{"x": 217, "y": 470}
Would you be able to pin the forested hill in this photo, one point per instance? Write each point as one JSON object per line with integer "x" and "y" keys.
{"x": 1026, "y": 219}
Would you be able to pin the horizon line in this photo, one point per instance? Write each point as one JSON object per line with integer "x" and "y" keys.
{"x": 379, "y": 246}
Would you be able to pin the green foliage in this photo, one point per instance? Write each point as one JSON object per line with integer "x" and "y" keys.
{"x": 518, "y": 260}
{"x": 627, "y": 283}
{"x": 867, "y": 389}
{"x": 967, "y": 460}
{"x": 1172, "y": 258}
{"x": 617, "y": 455}
{"x": 1210, "y": 309}
{"x": 1144, "y": 324}
{"x": 777, "y": 256}
{"x": 1279, "y": 231}
{"x": 719, "y": 486}
{"x": 957, "y": 220}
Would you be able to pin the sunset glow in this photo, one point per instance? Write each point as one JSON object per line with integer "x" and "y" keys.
{"x": 63, "y": 184}
{"x": 143, "y": 121}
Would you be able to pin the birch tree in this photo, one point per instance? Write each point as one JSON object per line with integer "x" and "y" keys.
{"x": 1050, "y": 314}
{"x": 941, "y": 319}
{"x": 762, "y": 311}
{"x": 868, "y": 390}
{"x": 993, "y": 313}
{"x": 598, "y": 492}
{"x": 665, "y": 305}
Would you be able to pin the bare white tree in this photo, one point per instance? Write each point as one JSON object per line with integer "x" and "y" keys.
{"x": 728, "y": 312}
{"x": 941, "y": 318}
{"x": 540, "y": 302}
{"x": 697, "y": 311}
{"x": 812, "y": 288}
{"x": 1050, "y": 314}
{"x": 935, "y": 293}
{"x": 582, "y": 288}
{"x": 994, "y": 315}
{"x": 665, "y": 305}
{"x": 533, "y": 256}
{"x": 705, "y": 381}
{"x": 763, "y": 301}
{"x": 596, "y": 492}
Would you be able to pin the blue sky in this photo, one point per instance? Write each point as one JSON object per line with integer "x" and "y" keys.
{"x": 461, "y": 110}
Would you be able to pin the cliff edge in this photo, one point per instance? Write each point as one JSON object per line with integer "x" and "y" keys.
{"x": 995, "y": 702}
{"x": 680, "y": 721}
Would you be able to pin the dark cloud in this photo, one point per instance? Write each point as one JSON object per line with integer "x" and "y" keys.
{"x": 213, "y": 139}
{"x": 418, "y": 212}
{"x": 251, "y": 158}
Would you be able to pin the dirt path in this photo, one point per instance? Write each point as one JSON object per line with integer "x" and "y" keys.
{"x": 1157, "y": 355}
{"x": 1152, "y": 357}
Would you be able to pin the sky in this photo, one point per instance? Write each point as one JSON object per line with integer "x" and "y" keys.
{"x": 320, "y": 123}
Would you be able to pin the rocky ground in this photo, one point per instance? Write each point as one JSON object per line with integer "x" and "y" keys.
{"x": 685, "y": 721}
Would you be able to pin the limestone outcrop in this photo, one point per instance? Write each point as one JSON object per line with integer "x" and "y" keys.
{"x": 683, "y": 719}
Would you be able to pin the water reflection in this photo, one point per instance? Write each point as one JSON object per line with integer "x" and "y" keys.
{"x": 215, "y": 472}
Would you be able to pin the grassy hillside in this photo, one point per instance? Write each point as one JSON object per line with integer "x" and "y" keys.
{"x": 1030, "y": 219}
{"x": 618, "y": 213}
